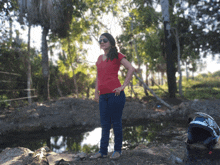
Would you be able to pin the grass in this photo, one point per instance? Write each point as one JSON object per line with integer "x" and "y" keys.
{"x": 202, "y": 88}
{"x": 197, "y": 88}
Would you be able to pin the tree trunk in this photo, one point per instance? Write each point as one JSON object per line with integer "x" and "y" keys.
{"x": 139, "y": 65}
{"x": 87, "y": 92}
{"x": 131, "y": 83}
{"x": 72, "y": 67}
{"x": 187, "y": 72}
{"x": 147, "y": 74}
{"x": 122, "y": 74}
{"x": 132, "y": 90}
{"x": 136, "y": 52}
{"x": 58, "y": 88}
{"x": 178, "y": 57}
{"x": 10, "y": 32}
{"x": 158, "y": 81}
{"x": 140, "y": 74}
{"x": 170, "y": 59}
{"x": 76, "y": 86}
{"x": 152, "y": 78}
{"x": 29, "y": 67}
{"x": 48, "y": 142}
{"x": 159, "y": 87}
{"x": 175, "y": 84}
{"x": 45, "y": 65}
{"x": 162, "y": 74}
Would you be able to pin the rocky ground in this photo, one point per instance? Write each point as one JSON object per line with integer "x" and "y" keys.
{"x": 67, "y": 112}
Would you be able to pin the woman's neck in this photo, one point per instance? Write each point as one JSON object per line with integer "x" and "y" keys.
{"x": 106, "y": 51}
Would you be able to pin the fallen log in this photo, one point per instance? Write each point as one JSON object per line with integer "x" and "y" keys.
{"x": 151, "y": 91}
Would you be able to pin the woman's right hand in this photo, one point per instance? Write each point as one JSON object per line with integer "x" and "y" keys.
{"x": 96, "y": 97}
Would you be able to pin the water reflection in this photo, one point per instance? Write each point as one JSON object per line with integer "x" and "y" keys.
{"x": 89, "y": 143}
{"x": 142, "y": 134}
{"x": 79, "y": 140}
{"x": 92, "y": 138}
{"x": 58, "y": 144}
{"x": 132, "y": 137}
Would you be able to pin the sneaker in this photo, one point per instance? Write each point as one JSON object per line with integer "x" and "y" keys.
{"x": 98, "y": 155}
{"x": 115, "y": 155}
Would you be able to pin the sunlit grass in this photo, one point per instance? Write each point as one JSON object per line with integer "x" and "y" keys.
{"x": 197, "y": 88}
{"x": 202, "y": 88}
{"x": 201, "y": 93}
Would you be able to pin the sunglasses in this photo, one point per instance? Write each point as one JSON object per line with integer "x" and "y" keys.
{"x": 105, "y": 40}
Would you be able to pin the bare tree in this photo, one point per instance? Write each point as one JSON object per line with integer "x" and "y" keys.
{"x": 170, "y": 59}
{"x": 29, "y": 82}
{"x": 178, "y": 58}
{"x": 161, "y": 67}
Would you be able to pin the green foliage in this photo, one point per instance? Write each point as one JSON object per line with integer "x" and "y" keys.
{"x": 203, "y": 75}
{"x": 69, "y": 22}
{"x": 6, "y": 14}
{"x": 87, "y": 148}
{"x": 142, "y": 134}
{"x": 81, "y": 68}
{"x": 141, "y": 27}
{"x": 84, "y": 18}
{"x": 12, "y": 61}
{"x": 13, "y": 64}
{"x": 137, "y": 89}
{"x": 216, "y": 74}
{"x": 121, "y": 79}
{"x": 135, "y": 81}
{"x": 3, "y": 103}
{"x": 202, "y": 16}
{"x": 7, "y": 6}
{"x": 201, "y": 87}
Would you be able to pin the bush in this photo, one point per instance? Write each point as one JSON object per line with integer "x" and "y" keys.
{"x": 216, "y": 74}
{"x": 3, "y": 103}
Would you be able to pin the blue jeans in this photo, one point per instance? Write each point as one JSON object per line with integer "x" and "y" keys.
{"x": 111, "y": 108}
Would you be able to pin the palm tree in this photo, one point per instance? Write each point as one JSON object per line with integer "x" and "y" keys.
{"x": 50, "y": 15}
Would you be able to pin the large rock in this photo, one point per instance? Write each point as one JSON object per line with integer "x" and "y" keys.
{"x": 23, "y": 156}
{"x": 15, "y": 156}
{"x": 42, "y": 156}
{"x": 55, "y": 158}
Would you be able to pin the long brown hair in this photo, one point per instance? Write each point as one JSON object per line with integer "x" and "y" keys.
{"x": 113, "y": 52}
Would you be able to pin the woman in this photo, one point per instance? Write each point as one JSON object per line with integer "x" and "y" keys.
{"x": 110, "y": 94}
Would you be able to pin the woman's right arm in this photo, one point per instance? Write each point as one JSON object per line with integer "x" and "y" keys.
{"x": 96, "y": 89}
{"x": 96, "y": 84}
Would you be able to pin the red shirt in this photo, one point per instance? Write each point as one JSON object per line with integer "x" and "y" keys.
{"x": 108, "y": 74}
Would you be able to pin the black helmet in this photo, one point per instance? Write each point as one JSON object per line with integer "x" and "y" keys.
{"x": 203, "y": 129}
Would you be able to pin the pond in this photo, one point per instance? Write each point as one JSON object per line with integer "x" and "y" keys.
{"x": 87, "y": 139}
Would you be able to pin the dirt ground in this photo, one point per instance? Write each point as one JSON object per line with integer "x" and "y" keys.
{"x": 66, "y": 112}
{"x": 155, "y": 153}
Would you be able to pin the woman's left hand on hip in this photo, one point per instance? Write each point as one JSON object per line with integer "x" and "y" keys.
{"x": 118, "y": 90}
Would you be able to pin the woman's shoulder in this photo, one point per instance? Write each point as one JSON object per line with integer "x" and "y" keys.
{"x": 98, "y": 59}
{"x": 121, "y": 54}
